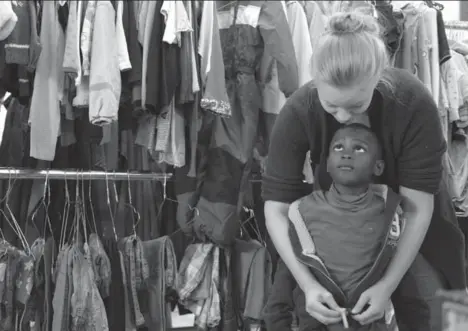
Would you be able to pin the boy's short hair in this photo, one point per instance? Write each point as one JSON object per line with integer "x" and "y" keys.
{"x": 362, "y": 127}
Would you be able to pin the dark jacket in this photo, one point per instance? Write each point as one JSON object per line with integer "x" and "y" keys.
{"x": 275, "y": 314}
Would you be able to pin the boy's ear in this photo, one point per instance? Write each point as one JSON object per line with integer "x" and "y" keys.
{"x": 379, "y": 168}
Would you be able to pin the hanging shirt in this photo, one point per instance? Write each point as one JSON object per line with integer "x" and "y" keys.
{"x": 317, "y": 21}
{"x": 215, "y": 98}
{"x": 124, "y": 58}
{"x": 273, "y": 98}
{"x": 104, "y": 82}
{"x": 44, "y": 116}
{"x": 177, "y": 21}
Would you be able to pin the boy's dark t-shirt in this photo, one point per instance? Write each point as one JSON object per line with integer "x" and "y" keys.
{"x": 348, "y": 232}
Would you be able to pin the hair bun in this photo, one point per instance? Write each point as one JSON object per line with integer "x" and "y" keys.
{"x": 352, "y": 22}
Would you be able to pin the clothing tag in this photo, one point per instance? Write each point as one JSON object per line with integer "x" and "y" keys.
{"x": 181, "y": 321}
{"x": 344, "y": 318}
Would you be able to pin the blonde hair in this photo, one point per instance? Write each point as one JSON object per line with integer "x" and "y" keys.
{"x": 350, "y": 51}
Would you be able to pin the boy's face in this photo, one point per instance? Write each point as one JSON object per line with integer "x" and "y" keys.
{"x": 354, "y": 157}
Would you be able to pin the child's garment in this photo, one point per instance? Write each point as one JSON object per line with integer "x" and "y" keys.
{"x": 347, "y": 232}
{"x": 361, "y": 234}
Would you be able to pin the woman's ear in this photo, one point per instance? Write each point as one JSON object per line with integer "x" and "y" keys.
{"x": 379, "y": 168}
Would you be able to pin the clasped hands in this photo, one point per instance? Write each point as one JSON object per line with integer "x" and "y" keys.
{"x": 370, "y": 307}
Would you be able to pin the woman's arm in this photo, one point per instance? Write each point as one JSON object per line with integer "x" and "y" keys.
{"x": 277, "y": 223}
{"x": 418, "y": 207}
{"x": 419, "y": 174}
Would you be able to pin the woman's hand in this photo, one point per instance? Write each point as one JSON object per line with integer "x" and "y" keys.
{"x": 321, "y": 305}
{"x": 372, "y": 304}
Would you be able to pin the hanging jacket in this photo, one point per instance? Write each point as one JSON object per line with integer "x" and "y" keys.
{"x": 260, "y": 27}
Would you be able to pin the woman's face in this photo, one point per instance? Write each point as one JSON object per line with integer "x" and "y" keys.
{"x": 346, "y": 103}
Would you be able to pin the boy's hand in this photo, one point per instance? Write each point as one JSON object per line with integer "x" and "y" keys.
{"x": 372, "y": 304}
{"x": 321, "y": 305}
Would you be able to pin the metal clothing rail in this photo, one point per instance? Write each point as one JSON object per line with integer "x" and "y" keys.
{"x": 18, "y": 173}
{"x": 456, "y": 25}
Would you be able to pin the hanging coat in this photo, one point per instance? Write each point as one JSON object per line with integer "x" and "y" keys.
{"x": 246, "y": 31}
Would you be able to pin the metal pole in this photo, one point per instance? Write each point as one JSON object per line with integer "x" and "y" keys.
{"x": 456, "y": 25}
{"x": 15, "y": 173}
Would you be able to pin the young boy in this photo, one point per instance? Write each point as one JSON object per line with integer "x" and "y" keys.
{"x": 346, "y": 235}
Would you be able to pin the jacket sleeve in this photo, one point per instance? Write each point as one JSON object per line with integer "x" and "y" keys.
{"x": 274, "y": 28}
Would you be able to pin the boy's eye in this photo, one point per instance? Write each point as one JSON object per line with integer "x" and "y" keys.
{"x": 338, "y": 148}
{"x": 359, "y": 149}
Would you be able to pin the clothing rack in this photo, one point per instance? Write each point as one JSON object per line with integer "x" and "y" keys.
{"x": 14, "y": 173}
{"x": 456, "y": 25}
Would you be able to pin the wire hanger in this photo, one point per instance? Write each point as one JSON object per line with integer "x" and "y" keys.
{"x": 90, "y": 200}
{"x": 135, "y": 211}
{"x": 14, "y": 224}
{"x": 226, "y": 5}
{"x": 65, "y": 215}
{"x": 110, "y": 208}
{"x": 165, "y": 198}
{"x": 72, "y": 235}
{"x": 46, "y": 201}
{"x": 255, "y": 228}
{"x": 84, "y": 213}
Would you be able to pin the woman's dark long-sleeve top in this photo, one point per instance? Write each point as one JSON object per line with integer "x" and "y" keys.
{"x": 406, "y": 120}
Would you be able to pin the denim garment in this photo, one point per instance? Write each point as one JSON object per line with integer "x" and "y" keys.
{"x": 162, "y": 266}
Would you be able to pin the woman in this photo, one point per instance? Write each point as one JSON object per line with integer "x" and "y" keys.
{"x": 353, "y": 83}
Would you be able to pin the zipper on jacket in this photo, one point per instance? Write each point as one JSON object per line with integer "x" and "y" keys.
{"x": 374, "y": 266}
{"x": 327, "y": 275}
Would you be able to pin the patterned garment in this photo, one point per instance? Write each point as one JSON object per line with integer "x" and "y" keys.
{"x": 101, "y": 265}
{"x": 198, "y": 284}
{"x": 87, "y": 308}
